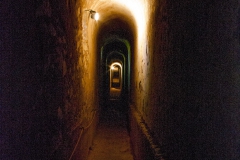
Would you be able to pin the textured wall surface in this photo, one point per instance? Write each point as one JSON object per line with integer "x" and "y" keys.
{"x": 191, "y": 104}
{"x": 46, "y": 103}
{"x": 18, "y": 73}
{"x": 184, "y": 77}
{"x": 190, "y": 101}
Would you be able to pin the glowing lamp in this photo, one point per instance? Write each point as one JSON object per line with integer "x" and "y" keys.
{"x": 93, "y": 14}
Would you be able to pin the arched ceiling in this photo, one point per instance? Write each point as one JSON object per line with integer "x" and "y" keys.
{"x": 114, "y": 19}
{"x": 119, "y": 15}
{"x": 128, "y": 19}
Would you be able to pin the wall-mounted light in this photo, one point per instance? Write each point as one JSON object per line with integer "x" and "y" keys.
{"x": 93, "y": 14}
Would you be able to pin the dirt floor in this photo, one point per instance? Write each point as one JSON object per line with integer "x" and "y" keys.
{"x": 112, "y": 141}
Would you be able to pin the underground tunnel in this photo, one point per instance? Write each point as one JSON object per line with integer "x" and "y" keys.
{"x": 167, "y": 71}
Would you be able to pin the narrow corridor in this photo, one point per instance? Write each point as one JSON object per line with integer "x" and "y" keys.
{"x": 173, "y": 64}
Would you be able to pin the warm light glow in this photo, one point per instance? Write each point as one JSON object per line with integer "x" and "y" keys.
{"x": 96, "y": 16}
{"x": 115, "y": 80}
{"x": 113, "y": 65}
{"x": 139, "y": 10}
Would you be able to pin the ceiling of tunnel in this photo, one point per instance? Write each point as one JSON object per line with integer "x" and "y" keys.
{"x": 122, "y": 20}
{"x": 114, "y": 18}
{"x": 132, "y": 12}
{"x": 115, "y": 30}
{"x": 109, "y": 9}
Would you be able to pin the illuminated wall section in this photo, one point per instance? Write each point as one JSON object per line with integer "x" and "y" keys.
{"x": 140, "y": 10}
{"x": 136, "y": 13}
{"x": 129, "y": 10}
{"x": 86, "y": 63}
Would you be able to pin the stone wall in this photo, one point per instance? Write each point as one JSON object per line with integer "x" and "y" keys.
{"x": 19, "y": 79}
{"x": 45, "y": 106}
{"x": 190, "y": 103}
{"x": 185, "y": 83}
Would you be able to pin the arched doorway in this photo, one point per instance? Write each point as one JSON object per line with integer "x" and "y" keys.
{"x": 115, "y": 51}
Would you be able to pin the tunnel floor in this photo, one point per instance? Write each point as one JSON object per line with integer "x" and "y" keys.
{"x": 112, "y": 141}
